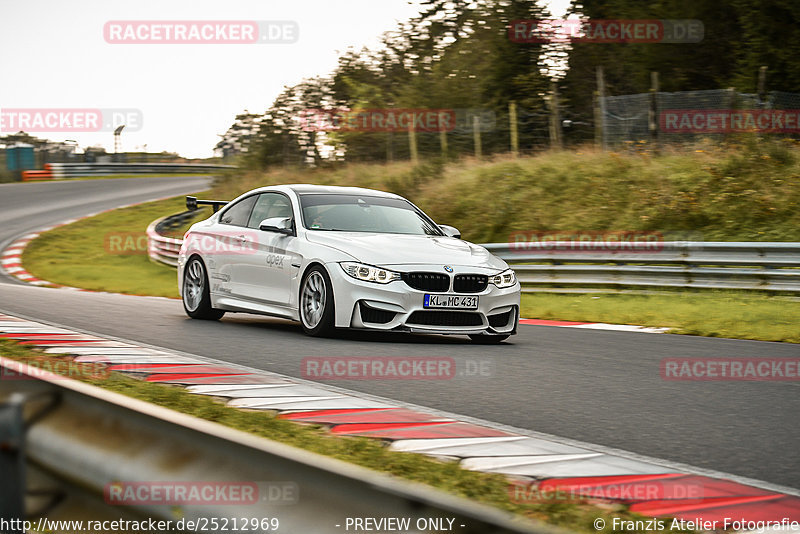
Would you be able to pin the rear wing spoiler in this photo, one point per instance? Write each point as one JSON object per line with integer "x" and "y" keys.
{"x": 192, "y": 203}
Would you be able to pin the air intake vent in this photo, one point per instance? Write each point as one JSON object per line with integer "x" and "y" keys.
{"x": 421, "y": 281}
{"x": 445, "y": 318}
{"x": 374, "y": 315}
{"x": 470, "y": 283}
{"x": 500, "y": 319}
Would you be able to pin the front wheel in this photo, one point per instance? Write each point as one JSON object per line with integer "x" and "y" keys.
{"x": 195, "y": 293}
{"x": 487, "y": 339}
{"x": 316, "y": 303}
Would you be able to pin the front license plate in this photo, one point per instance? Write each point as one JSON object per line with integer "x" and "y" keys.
{"x": 456, "y": 302}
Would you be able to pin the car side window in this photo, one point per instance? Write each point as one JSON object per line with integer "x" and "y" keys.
{"x": 239, "y": 213}
{"x": 267, "y": 206}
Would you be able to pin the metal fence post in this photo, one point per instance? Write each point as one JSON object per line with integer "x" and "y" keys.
{"x": 512, "y": 122}
{"x": 442, "y": 136}
{"x": 653, "y": 115}
{"x": 555, "y": 119}
{"x": 412, "y": 143}
{"x": 600, "y": 111}
{"x": 12, "y": 465}
{"x": 476, "y": 134}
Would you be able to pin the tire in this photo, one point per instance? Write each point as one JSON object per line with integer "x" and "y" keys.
{"x": 195, "y": 292}
{"x": 316, "y": 304}
{"x": 487, "y": 339}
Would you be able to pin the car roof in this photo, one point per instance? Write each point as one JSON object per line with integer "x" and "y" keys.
{"x": 301, "y": 189}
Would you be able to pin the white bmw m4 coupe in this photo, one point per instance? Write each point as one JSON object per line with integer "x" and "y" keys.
{"x": 343, "y": 257}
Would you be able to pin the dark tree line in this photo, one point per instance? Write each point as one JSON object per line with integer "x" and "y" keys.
{"x": 457, "y": 55}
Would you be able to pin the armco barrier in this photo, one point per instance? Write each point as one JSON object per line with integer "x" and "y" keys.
{"x": 93, "y": 439}
{"x": 165, "y": 249}
{"x": 680, "y": 264}
{"x": 29, "y": 176}
{"x": 677, "y": 264}
{"x": 74, "y": 170}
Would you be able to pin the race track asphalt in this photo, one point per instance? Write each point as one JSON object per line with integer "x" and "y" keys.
{"x": 602, "y": 387}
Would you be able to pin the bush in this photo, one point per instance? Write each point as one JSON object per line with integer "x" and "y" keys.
{"x": 748, "y": 190}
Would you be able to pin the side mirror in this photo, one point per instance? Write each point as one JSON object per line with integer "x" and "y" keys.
{"x": 281, "y": 225}
{"x": 450, "y": 231}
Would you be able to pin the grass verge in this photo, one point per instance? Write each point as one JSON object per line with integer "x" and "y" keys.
{"x": 490, "y": 489}
{"x": 107, "y": 252}
{"x": 714, "y": 314}
{"x": 136, "y": 175}
{"x": 747, "y": 191}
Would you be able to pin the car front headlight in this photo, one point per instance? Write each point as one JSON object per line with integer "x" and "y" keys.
{"x": 505, "y": 279}
{"x": 369, "y": 273}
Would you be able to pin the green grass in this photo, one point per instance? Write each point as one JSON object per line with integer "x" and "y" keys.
{"x": 739, "y": 192}
{"x": 107, "y": 252}
{"x": 136, "y": 175}
{"x": 489, "y": 489}
{"x": 715, "y": 314}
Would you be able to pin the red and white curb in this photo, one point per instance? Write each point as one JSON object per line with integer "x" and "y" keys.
{"x": 11, "y": 256}
{"x": 596, "y": 326}
{"x": 11, "y": 260}
{"x": 536, "y": 464}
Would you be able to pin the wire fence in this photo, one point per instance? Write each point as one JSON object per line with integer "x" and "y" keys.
{"x": 687, "y": 116}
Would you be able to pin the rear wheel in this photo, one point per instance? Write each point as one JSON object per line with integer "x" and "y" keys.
{"x": 487, "y": 339}
{"x": 195, "y": 292}
{"x": 316, "y": 303}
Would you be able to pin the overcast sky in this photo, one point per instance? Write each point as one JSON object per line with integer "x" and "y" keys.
{"x": 55, "y": 56}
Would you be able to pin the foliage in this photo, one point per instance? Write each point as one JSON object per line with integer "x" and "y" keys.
{"x": 456, "y": 54}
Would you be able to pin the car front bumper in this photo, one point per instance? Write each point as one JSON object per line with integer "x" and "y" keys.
{"x": 398, "y": 307}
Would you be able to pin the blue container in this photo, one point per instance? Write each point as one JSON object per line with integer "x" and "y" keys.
{"x": 20, "y": 158}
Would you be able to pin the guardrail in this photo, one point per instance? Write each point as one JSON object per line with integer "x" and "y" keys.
{"x": 94, "y": 440}
{"x": 164, "y": 249}
{"x": 676, "y": 264}
{"x": 766, "y": 266}
{"x": 74, "y": 170}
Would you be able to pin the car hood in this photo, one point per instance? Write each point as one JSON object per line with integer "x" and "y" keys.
{"x": 387, "y": 250}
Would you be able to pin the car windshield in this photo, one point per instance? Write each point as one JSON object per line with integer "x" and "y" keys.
{"x": 362, "y": 213}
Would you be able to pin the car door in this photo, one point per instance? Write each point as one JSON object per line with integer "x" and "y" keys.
{"x": 232, "y": 244}
{"x": 266, "y": 274}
